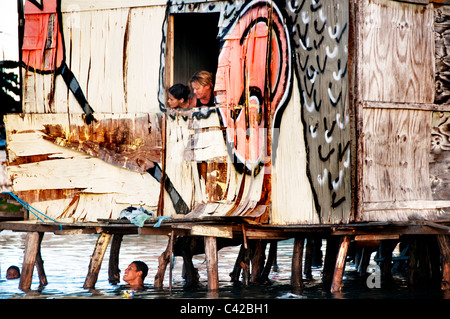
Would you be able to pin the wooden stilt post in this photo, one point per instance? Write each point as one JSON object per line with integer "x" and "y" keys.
{"x": 308, "y": 259}
{"x": 258, "y": 259}
{"x": 113, "y": 269}
{"x": 32, "y": 243}
{"x": 387, "y": 247}
{"x": 444, "y": 246}
{"x": 211, "y": 263}
{"x": 40, "y": 264}
{"x": 163, "y": 260}
{"x": 330, "y": 260}
{"x": 190, "y": 272}
{"x": 270, "y": 260}
{"x": 172, "y": 239}
{"x": 96, "y": 260}
{"x": 297, "y": 257}
{"x": 336, "y": 284}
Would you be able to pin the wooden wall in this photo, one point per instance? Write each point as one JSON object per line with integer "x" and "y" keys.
{"x": 71, "y": 171}
{"x": 399, "y": 49}
{"x": 110, "y": 48}
{"x": 357, "y": 124}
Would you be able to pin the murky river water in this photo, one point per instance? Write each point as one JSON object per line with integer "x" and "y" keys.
{"x": 66, "y": 259}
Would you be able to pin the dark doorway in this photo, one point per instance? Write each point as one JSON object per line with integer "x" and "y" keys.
{"x": 195, "y": 44}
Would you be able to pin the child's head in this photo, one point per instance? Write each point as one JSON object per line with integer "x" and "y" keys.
{"x": 178, "y": 95}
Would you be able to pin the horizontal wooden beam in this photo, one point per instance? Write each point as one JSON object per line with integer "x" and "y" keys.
{"x": 376, "y": 237}
{"x": 405, "y": 106}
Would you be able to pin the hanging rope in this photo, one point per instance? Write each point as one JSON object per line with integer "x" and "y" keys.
{"x": 31, "y": 209}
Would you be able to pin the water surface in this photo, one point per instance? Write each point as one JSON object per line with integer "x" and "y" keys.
{"x": 66, "y": 260}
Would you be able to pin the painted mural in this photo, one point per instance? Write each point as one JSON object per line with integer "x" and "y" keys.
{"x": 319, "y": 30}
{"x": 253, "y": 81}
{"x": 271, "y": 53}
{"x": 263, "y": 43}
{"x": 43, "y": 47}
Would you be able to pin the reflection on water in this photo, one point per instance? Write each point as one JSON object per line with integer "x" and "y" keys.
{"x": 66, "y": 260}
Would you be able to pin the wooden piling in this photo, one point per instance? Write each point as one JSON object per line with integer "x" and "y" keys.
{"x": 258, "y": 261}
{"x": 96, "y": 260}
{"x": 163, "y": 260}
{"x": 32, "y": 250}
{"x": 40, "y": 264}
{"x": 270, "y": 260}
{"x": 113, "y": 269}
{"x": 236, "y": 272}
{"x": 444, "y": 246}
{"x": 330, "y": 260}
{"x": 211, "y": 263}
{"x": 308, "y": 259}
{"x": 297, "y": 256}
{"x": 336, "y": 284}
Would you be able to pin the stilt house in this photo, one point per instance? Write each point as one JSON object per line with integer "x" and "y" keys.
{"x": 327, "y": 112}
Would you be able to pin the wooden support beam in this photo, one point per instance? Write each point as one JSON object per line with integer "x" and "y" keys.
{"x": 258, "y": 259}
{"x": 163, "y": 261}
{"x": 330, "y": 260}
{"x": 308, "y": 258}
{"x": 211, "y": 263}
{"x": 113, "y": 269}
{"x": 297, "y": 257}
{"x": 32, "y": 250}
{"x": 336, "y": 285}
{"x": 270, "y": 260}
{"x": 40, "y": 264}
{"x": 444, "y": 246}
{"x": 96, "y": 260}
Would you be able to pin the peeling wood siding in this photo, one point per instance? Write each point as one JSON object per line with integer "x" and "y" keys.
{"x": 52, "y": 171}
{"x": 112, "y": 54}
{"x": 397, "y": 58}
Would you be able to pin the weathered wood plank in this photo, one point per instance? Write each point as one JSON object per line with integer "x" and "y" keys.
{"x": 212, "y": 231}
{"x": 396, "y": 37}
{"x": 64, "y": 168}
{"x": 396, "y": 163}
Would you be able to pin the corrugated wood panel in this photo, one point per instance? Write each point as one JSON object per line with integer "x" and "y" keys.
{"x": 51, "y": 172}
{"x": 396, "y": 52}
{"x": 112, "y": 55}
